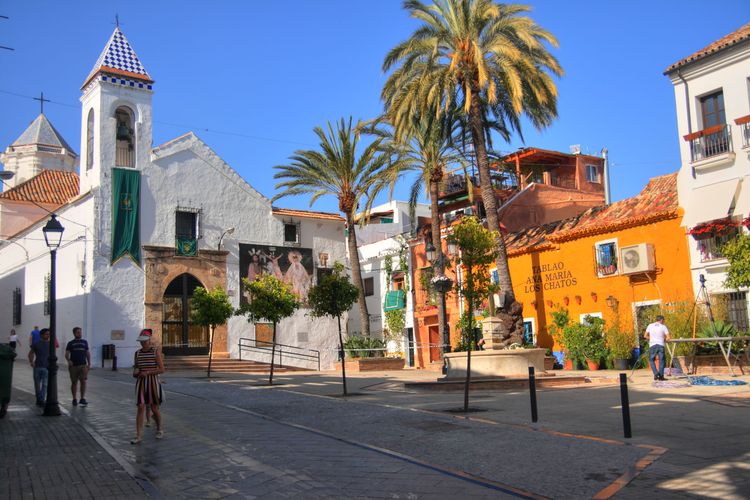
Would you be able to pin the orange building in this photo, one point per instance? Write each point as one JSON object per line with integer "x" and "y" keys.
{"x": 619, "y": 260}
{"x": 610, "y": 261}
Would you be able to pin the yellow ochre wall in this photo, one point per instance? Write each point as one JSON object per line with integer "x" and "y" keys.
{"x": 572, "y": 266}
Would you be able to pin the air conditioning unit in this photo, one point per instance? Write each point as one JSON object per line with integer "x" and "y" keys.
{"x": 637, "y": 258}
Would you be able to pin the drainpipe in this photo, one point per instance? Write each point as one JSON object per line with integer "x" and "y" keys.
{"x": 607, "y": 194}
{"x": 689, "y": 119}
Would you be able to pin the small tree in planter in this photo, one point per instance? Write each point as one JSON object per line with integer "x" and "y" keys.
{"x": 271, "y": 300}
{"x": 478, "y": 251}
{"x": 737, "y": 252}
{"x": 594, "y": 347}
{"x": 333, "y": 296}
{"x": 210, "y": 309}
{"x": 620, "y": 344}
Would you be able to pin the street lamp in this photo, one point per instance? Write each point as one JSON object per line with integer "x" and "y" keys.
{"x": 228, "y": 231}
{"x": 53, "y": 231}
{"x": 442, "y": 285}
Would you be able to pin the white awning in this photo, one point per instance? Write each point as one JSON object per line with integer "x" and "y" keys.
{"x": 709, "y": 203}
{"x": 742, "y": 207}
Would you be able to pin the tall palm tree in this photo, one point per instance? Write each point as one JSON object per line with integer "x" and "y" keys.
{"x": 335, "y": 169}
{"x": 493, "y": 63}
{"x": 426, "y": 148}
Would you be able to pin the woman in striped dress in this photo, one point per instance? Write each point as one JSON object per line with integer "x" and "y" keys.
{"x": 147, "y": 366}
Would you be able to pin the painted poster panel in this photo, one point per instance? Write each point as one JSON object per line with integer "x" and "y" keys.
{"x": 291, "y": 265}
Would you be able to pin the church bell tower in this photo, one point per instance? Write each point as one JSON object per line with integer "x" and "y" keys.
{"x": 116, "y": 114}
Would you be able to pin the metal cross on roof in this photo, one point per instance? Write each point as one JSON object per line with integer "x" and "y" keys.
{"x": 41, "y": 100}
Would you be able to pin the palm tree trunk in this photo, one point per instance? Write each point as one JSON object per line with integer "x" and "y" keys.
{"x": 511, "y": 308}
{"x": 444, "y": 332}
{"x": 470, "y": 312}
{"x": 351, "y": 240}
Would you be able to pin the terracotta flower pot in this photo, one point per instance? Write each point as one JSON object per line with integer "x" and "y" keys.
{"x": 593, "y": 365}
{"x": 568, "y": 364}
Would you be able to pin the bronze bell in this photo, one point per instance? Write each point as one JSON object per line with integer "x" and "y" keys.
{"x": 123, "y": 131}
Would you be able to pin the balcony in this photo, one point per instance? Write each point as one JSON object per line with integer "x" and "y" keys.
{"x": 744, "y": 123}
{"x": 710, "y": 142}
{"x": 563, "y": 182}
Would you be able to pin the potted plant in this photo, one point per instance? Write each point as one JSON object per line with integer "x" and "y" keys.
{"x": 594, "y": 347}
{"x": 620, "y": 344}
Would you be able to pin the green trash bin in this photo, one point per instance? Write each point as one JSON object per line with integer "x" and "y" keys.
{"x": 7, "y": 355}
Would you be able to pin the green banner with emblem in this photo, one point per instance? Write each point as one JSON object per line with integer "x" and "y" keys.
{"x": 126, "y": 232}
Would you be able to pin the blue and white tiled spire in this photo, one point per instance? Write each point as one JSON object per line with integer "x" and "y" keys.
{"x": 120, "y": 62}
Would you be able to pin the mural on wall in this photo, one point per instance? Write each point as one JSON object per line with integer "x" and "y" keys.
{"x": 291, "y": 265}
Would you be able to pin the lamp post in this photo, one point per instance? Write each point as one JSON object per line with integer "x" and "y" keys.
{"x": 228, "y": 231}
{"x": 53, "y": 231}
{"x": 442, "y": 285}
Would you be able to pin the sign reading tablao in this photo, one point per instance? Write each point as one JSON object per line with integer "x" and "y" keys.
{"x": 549, "y": 277}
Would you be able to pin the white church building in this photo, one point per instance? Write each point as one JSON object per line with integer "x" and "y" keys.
{"x": 144, "y": 226}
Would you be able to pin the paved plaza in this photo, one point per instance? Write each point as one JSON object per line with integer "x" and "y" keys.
{"x": 234, "y": 437}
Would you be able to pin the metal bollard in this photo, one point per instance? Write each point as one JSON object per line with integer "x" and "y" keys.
{"x": 114, "y": 363}
{"x": 532, "y": 393}
{"x": 625, "y": 405}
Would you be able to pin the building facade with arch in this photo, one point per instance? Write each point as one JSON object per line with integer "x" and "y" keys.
{"x": 148, "y": 225}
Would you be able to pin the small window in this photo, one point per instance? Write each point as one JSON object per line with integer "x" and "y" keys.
{"x": 592, "y": 174}
{"x": 47, "y": 292}
{"x": 606, "y": 258}
{"x": 710, "y": 245}
{"x": 369, "y": 284}
{"x": 291, "y": 233}
{"x": 186, "y": 225}
{"x": 90, "y": 140}
{"x": 585, "y": 319}
{"x": 712, "y": 110}
{"x": 529, "y": 331}
{"x": 17, "y": 301}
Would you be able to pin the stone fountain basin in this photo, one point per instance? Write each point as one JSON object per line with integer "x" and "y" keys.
{"x": 494, "y": 363}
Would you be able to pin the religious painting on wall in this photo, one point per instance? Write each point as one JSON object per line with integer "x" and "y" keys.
{"x": 291, "y": 265}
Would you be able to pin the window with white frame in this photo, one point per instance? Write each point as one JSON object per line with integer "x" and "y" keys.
{"x": 606, "y": 258}
{"x": 187, "y": 224}
{"x": 592, "y": 174}
{"x": 529, "y": 331}
{"x": 584, "y": 318}
{"x": 292, "y": 233}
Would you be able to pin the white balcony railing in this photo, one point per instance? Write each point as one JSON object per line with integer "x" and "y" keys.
{"x": 710, "y": 142}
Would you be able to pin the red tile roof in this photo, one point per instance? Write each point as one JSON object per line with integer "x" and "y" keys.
{"x": 50, "y": 186}
{"x": 307, "y": 213}
{"x": 726, "y": 41}
{"x": 657, "y": 201}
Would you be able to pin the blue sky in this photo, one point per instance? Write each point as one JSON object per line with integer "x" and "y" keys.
{"x": 252, "y": 79}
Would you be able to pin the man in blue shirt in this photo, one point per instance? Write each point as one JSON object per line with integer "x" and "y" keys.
{"x": 34, "y": 336}
{"x": 38, "y": 358}
{"x": 79, "y": 361}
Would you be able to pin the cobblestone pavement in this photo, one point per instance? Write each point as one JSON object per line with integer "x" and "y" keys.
{"x": 214, "y": 451}
{"x": 55, "y": 458}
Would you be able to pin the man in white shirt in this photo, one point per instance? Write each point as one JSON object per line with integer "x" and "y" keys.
{"x": 657, "y": 335}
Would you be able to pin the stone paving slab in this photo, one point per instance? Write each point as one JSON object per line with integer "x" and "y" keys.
{"x": 54, "y": 457}
{"x": 213, "y": 451}
{"x": 573, "y": 467}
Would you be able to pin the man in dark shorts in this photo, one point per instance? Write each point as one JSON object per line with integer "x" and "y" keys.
{"x": 79, "y": 361}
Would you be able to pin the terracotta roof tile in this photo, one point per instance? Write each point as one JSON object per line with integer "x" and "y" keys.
{"x": 50, "y": 186}
{"x": 657, "y": 201}
{"x": 726, "y": 41}
{"x": 310, "y": 214}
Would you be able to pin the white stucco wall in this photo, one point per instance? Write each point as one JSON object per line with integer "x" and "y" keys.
{"x": 25, "y": 264}
{"x": 729, "y": 72}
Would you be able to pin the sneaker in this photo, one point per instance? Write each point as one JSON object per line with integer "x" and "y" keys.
{"x": 75, "y": 402}
{"x": 656, "y": 377}
{"x": 83, "y": 402}
{"x": 661, "y": 377}
{"x": 159, "y": 434}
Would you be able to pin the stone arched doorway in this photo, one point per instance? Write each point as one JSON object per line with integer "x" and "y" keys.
{"x": 179, "y": 335}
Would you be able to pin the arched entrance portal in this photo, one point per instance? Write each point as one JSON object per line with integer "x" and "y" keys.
{"x": 179, "y": 335}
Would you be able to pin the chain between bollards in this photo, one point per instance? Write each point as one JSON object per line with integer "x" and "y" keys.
{"x": 532, "y": 394}
{"x": 625, "y": 405}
